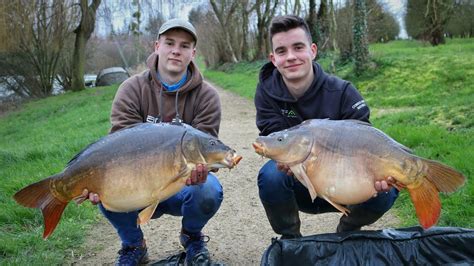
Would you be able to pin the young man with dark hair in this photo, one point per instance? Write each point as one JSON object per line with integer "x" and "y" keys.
{"x": 171, "y": 89}
{"x": 292, "y": 88}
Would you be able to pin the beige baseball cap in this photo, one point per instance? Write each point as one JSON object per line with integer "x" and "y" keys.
{"x": 180, "y": 24}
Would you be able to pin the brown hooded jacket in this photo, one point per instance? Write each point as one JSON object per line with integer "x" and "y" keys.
{"x": 138, "y": 100}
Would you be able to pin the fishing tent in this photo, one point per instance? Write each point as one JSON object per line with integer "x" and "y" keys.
{"x": 406, "y": 246}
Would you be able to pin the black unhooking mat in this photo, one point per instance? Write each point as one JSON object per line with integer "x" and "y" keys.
{"x": 405, "y": 246}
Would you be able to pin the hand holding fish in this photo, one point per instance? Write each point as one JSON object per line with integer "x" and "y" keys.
{"x": 384, "y": 185}
{"x": 285, "y": 169}
{"x": 86, "y": 195}
{"x": 198, "y": 175}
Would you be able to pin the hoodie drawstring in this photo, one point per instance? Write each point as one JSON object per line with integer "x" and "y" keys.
{"x": 176, "y": 120}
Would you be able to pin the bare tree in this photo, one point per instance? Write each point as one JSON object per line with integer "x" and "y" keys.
{"x": 292, "y": 7}
{"x": 426, "y": 19}
{"x": 437, "y": 14}
{"x": 361, "y": 44}
{"x": 313, "y": 20}
{"x": 83, "y": 33}
{"x": 224, "y": 15}
{"x": 332, "y": 26}
{"x": 265, "y": 12}
{"x": 135, "y": 29}
{"x": 245, "y": 10}
{"x": 38, "y": 32}
{"x": 208, "y": 29}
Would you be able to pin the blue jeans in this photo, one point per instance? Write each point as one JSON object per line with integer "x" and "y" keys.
{"x": 196, "y": 204}
{"x": 277, "y": 187}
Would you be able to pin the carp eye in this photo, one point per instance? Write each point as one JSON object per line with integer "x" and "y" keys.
{"x": 280, "y": 139}
{"x": 212, "y": 143}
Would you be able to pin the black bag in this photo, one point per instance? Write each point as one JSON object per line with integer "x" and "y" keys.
{"x": 406, "y": 246}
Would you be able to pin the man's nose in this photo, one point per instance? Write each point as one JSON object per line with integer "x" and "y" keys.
{"x": 290, "y": 55}
{"x": 176, "y": 50}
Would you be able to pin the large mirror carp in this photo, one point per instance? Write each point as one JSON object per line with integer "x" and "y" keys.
{"x": 340, "y": 160}
{"x": 131, "y": 169}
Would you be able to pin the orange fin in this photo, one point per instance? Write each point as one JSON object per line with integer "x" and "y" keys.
{"x": 38, "y": 195}
{"x": 145, "y": 215}
{"x": 445, "y": 178}
{"x": 425, "y": 198}
{"x": 341, "y": 208}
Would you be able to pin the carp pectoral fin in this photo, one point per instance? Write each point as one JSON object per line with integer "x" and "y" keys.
{"x": 300, "y": 172}
{"x": 341, "y": 208}
{"x": 145, "y": 215}
{"x": 425, "y": 198}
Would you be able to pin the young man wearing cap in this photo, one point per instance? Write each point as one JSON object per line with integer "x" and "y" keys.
{"x": 171, "y": 89}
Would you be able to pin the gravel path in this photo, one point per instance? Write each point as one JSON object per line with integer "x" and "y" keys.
{"x": 239, "y": 232}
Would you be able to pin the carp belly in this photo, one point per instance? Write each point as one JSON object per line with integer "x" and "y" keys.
{"x": 346, "y": 190}
{"x": 134, "y": 191}
{"x": 343, "y": 180}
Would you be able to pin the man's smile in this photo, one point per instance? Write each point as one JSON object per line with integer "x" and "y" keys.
{"x": 293, "y": 66}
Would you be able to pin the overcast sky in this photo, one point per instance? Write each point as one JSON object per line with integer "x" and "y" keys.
{"x": 181, "y": 9}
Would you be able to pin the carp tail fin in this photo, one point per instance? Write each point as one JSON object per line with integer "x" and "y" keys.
{"x": 425, "y": 198}
{"x": 38, "y": 195}
{"x": 445, "y": 178}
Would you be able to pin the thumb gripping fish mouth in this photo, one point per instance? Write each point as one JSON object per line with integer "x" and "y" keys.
{"x": 232, "y": 159}
{"x": 258, "y": 148}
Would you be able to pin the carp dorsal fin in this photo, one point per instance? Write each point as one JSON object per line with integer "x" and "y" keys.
{"x": 80, "y": 153}
{"x": 359, "y": 122}
{"x": 136, "y": 126}
{"x": 392, "y": 141}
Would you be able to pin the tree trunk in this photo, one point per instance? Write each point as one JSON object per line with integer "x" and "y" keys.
{"x": 438, "y": 13}
{"x": 361, "y": 44}
{"x": 313, "y": 21}
{"x": 244, "y": 49}
{"x": 224, "y": 24}
{"x": 83, "y": 33}
{"x": 332, "y": 26}
{"x": 263, "y": 22}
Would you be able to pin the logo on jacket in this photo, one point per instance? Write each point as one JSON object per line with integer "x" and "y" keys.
{"x": 151, "y": 119}
{"x": 358, "y": 105}
{"x": 288, "y": 113}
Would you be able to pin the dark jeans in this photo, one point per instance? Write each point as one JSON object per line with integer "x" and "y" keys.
{"x": 196, "y": 204}
{"x": 277, "y": 187}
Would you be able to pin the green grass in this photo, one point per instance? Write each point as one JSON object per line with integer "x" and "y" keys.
{"x": 420, "y": 95}
{"x": 37, "y": 141}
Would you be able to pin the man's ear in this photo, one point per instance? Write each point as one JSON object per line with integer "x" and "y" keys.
{"x": 314, "y": 50}
{"x": 194, "y": 53}
{"x": 157, "y": 44}
{"x": 271, "y": 57}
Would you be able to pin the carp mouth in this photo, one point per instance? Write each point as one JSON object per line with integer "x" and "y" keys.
{"x": 230, "y": 161}
{"x": 259, "y": 148}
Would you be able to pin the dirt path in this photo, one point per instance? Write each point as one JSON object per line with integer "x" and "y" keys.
{"x": 239, "y": 232}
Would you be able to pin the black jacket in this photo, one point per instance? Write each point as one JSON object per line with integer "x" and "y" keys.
{"x": 328, "y": 97}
